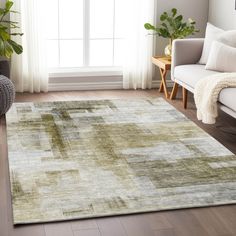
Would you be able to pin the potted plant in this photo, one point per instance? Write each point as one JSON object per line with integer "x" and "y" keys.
{"x": 172, "y": 26}
{"x": 7, "y": 45}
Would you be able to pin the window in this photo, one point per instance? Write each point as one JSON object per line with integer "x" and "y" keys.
{"x": 85, "y": 33}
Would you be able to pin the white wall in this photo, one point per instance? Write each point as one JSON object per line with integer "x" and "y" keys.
{"x": 2, "y": 2}
{"x": 222, "y": 13}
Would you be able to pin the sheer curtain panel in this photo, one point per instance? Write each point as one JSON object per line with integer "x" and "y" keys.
{"x": 29, "y": 70}
{"x": 137, "y": 70}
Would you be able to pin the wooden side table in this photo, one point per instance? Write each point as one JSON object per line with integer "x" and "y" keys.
{"x": 164, "y": 64}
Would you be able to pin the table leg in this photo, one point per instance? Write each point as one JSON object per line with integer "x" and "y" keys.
{"x": 163, "y": 82}
{"x": 161, "y": 87}
{"x": 185, "y": 97}
{"x": 174, "y": 91}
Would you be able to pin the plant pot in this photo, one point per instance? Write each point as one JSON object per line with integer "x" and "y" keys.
{"x": 5, "y": 68}
{"x": 168, "y": 49}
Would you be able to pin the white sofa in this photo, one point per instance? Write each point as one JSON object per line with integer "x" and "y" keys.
{"x": 186, "y": 72}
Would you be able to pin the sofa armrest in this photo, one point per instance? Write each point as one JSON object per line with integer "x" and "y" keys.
{"x": 186, "y": 51}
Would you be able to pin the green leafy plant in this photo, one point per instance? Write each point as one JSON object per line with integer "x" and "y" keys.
{"x": 172, "y": 26}
{"x": 7, "y": 45}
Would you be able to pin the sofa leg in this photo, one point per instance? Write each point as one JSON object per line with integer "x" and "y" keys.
{"x": 174, "y": 91}
{"x": 185, "y": 97}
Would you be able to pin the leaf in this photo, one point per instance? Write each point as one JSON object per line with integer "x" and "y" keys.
{"x": 164, "y": 16}
{"x": 174, "y": 12}
{"x": 15, "y": 34}
{"x": 1, "y": 47}
{"x": 2, "y": 27}
{"x": 164, "y": 25}
{"x": 148, "y": 26}
{"x": 14, "y": 27}
{"x": 7, "y": 50}
{"x": 4, "y": 35}
{"x": 10, "y": 22}
{"x": 178, "y": 24}
{"x": 164, "y": 33}
{"x": 2, "y": 11}
{"x": 18, "y": 49}
{"x": 179, "y": 18}
{"x": 8, "y": 5}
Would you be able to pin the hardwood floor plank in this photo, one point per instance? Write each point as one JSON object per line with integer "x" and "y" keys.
{"x": 164, "y": 232}
{"x": 228, "y": 235}
{"x": 210, "y": 222}
{"x": 158, "y": 221}
{"x": 110, "y": 227}
{"x": 83, "y": 224}
{"x": 58, "y": 229}
{"x": 185, "y": 223}
{"x": 136, "y": 225}
{"x": 29, "y": 230}
{"x": 87, "y": 232}
{"x": 227, "y": 215}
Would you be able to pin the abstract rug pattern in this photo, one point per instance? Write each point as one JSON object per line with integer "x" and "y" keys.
{"x": 82, "y": 159}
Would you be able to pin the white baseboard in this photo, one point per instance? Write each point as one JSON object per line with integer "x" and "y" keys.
{"x": 156, "y": 83}
{"x": 84, "y": 86}
{"x": 94, "y": 85}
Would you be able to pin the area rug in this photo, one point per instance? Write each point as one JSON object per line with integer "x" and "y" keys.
{"x": 83, "y": 159}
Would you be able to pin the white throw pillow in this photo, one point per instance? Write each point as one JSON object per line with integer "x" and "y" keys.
{"x": 221, "y": 58}
{"x": 212, "y": 33}
{"x": 228, "y": 38}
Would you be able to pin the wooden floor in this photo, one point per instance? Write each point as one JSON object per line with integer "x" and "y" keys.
{"x": 211, "y": 221}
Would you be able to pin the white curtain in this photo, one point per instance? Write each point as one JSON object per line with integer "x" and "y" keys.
{"x": 137, "y": 71}
{"x": 29, "y": 70}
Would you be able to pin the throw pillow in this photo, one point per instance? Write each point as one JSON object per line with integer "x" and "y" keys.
{"x": 221, "y": 58}
{"x": 212, "y": 33}
{"x": 228, "y": 38}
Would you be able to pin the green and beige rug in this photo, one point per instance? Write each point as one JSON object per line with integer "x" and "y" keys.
{"x": 81, "y": 159}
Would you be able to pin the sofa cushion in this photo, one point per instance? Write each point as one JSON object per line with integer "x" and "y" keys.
{"x": 190, "y": 74}
{"x": 221, "y": 58}
{"x": 212, "y": 33}
{"x": 228, "y": 97}
{"x": 228, "y": 38}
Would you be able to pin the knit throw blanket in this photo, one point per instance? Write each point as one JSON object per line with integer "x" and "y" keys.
{"x": 206, "y": 94}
